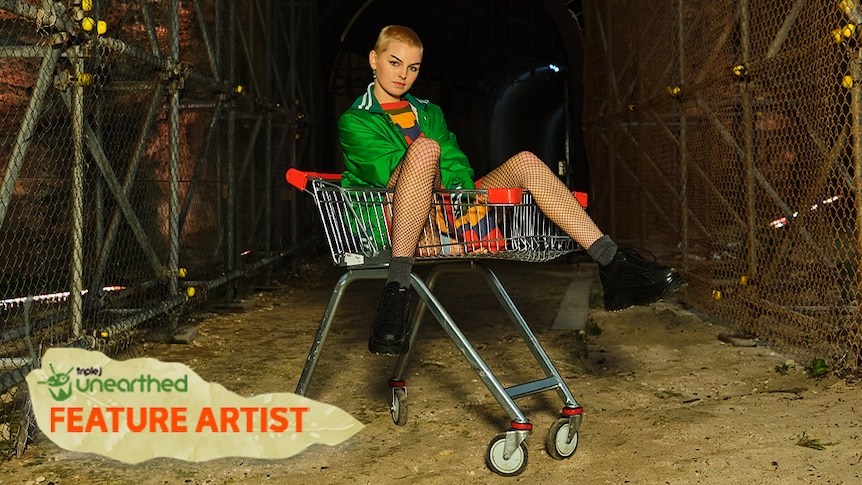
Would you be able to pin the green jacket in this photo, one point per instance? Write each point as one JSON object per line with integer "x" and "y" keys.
{"x": 372, "y": 145}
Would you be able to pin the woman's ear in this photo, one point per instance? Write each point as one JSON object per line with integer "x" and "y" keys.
{"x": 372, "y": 60}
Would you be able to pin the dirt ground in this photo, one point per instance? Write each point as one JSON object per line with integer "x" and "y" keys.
{"x": 666, "y": 401}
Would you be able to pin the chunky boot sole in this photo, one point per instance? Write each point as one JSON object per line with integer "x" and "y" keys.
{"x": 390, "y": 332}
{"x": 621, "y": 299}
{"x": 389, "y": 347}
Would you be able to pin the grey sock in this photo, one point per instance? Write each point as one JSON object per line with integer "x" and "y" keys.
{"x": 603, "y": 250}
{"x": 399, "y": 271}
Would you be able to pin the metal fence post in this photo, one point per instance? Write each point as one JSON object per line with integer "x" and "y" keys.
{"x": 683, "y": 139}
{"x": 231, "y": 233}
{"x": 173, "y": 147}
{"x": 748, "y": 142}
{"x": 856, "y": 130}
{"x": 76, "y": 233}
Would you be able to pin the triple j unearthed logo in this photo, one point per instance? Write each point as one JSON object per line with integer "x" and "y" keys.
{"x": 89, "y": 380}
{"x": 143, "y": 408}
{"x": 59, "y": 384}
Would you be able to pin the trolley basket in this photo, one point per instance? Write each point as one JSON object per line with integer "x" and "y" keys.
{"x": 468, "y": 225}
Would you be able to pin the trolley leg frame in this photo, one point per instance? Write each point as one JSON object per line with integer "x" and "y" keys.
{"x": 520, "y": 425}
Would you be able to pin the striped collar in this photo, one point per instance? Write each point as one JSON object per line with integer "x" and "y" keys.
{"x": 368, "y": 102}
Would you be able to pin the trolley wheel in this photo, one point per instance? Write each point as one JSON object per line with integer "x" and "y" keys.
{"x": 398, "y": 406}
{"x": 501, "y": 466}
{"x": 557, "y": 444}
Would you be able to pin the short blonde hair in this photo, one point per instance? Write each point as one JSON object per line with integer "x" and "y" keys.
{"x": 398, "y": 33}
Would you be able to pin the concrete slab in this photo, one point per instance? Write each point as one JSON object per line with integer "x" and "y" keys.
{"x": 236, "y": 306}
{"x": 572, "y": 314}
{"x": 185, "y": 334}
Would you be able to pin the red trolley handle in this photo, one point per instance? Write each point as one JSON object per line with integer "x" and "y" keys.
{"x": 299, "y": 179}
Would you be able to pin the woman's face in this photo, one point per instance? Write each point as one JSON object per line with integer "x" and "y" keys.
{"x": 397, "y": 68}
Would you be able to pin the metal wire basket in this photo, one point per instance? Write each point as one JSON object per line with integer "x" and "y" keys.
{"x": 486, "y": 223}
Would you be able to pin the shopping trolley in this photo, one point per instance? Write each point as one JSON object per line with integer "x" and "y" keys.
{"x": 464, "y": 227}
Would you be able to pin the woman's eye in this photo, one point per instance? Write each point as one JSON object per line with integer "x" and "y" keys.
{"x": 393, "y": 63}
{"x": 414, "y": 69}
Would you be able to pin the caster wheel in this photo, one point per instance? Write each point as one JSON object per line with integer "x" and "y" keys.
{"x": 557, "y": 444}
{"x": 398, "y": 406}
{"x": 501, "y": 466}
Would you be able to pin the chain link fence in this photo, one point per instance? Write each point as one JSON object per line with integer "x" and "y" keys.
{"x": 728, "y": 136}
{"x": 144, "y": 144}
{"x": 143, "y": 148}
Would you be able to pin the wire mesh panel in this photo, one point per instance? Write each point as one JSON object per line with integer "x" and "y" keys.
{"x": 139, "y": 143}
{"x": 746, "y": 166}
{"x": 487, "y": 224}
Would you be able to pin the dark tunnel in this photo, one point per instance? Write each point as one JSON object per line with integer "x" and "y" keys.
{"x": 507, "y": 74}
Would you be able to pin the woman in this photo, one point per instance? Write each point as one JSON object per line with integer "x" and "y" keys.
{"x": 392, "y": 139}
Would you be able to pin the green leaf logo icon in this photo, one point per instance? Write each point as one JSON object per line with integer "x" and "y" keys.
{"x": 59, "y": 384}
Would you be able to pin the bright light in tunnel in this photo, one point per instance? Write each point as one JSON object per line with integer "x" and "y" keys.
{"x": 49, "y": 297}
{"x": 554, "y": 67}
{"x": 783, "y": 221}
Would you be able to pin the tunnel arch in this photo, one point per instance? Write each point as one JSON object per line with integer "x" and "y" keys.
{"x": 483, "y": 60}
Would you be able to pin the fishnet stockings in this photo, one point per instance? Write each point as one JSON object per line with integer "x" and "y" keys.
{"x": 413, "y": 179}
{"x": 525, "y": 170}
{"x": 419, "y": 173}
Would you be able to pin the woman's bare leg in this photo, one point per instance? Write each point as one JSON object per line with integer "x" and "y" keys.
{"x": 414, "y": 179}
{"x": 627, "y": 278}
{"x": 527, "y": 171}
